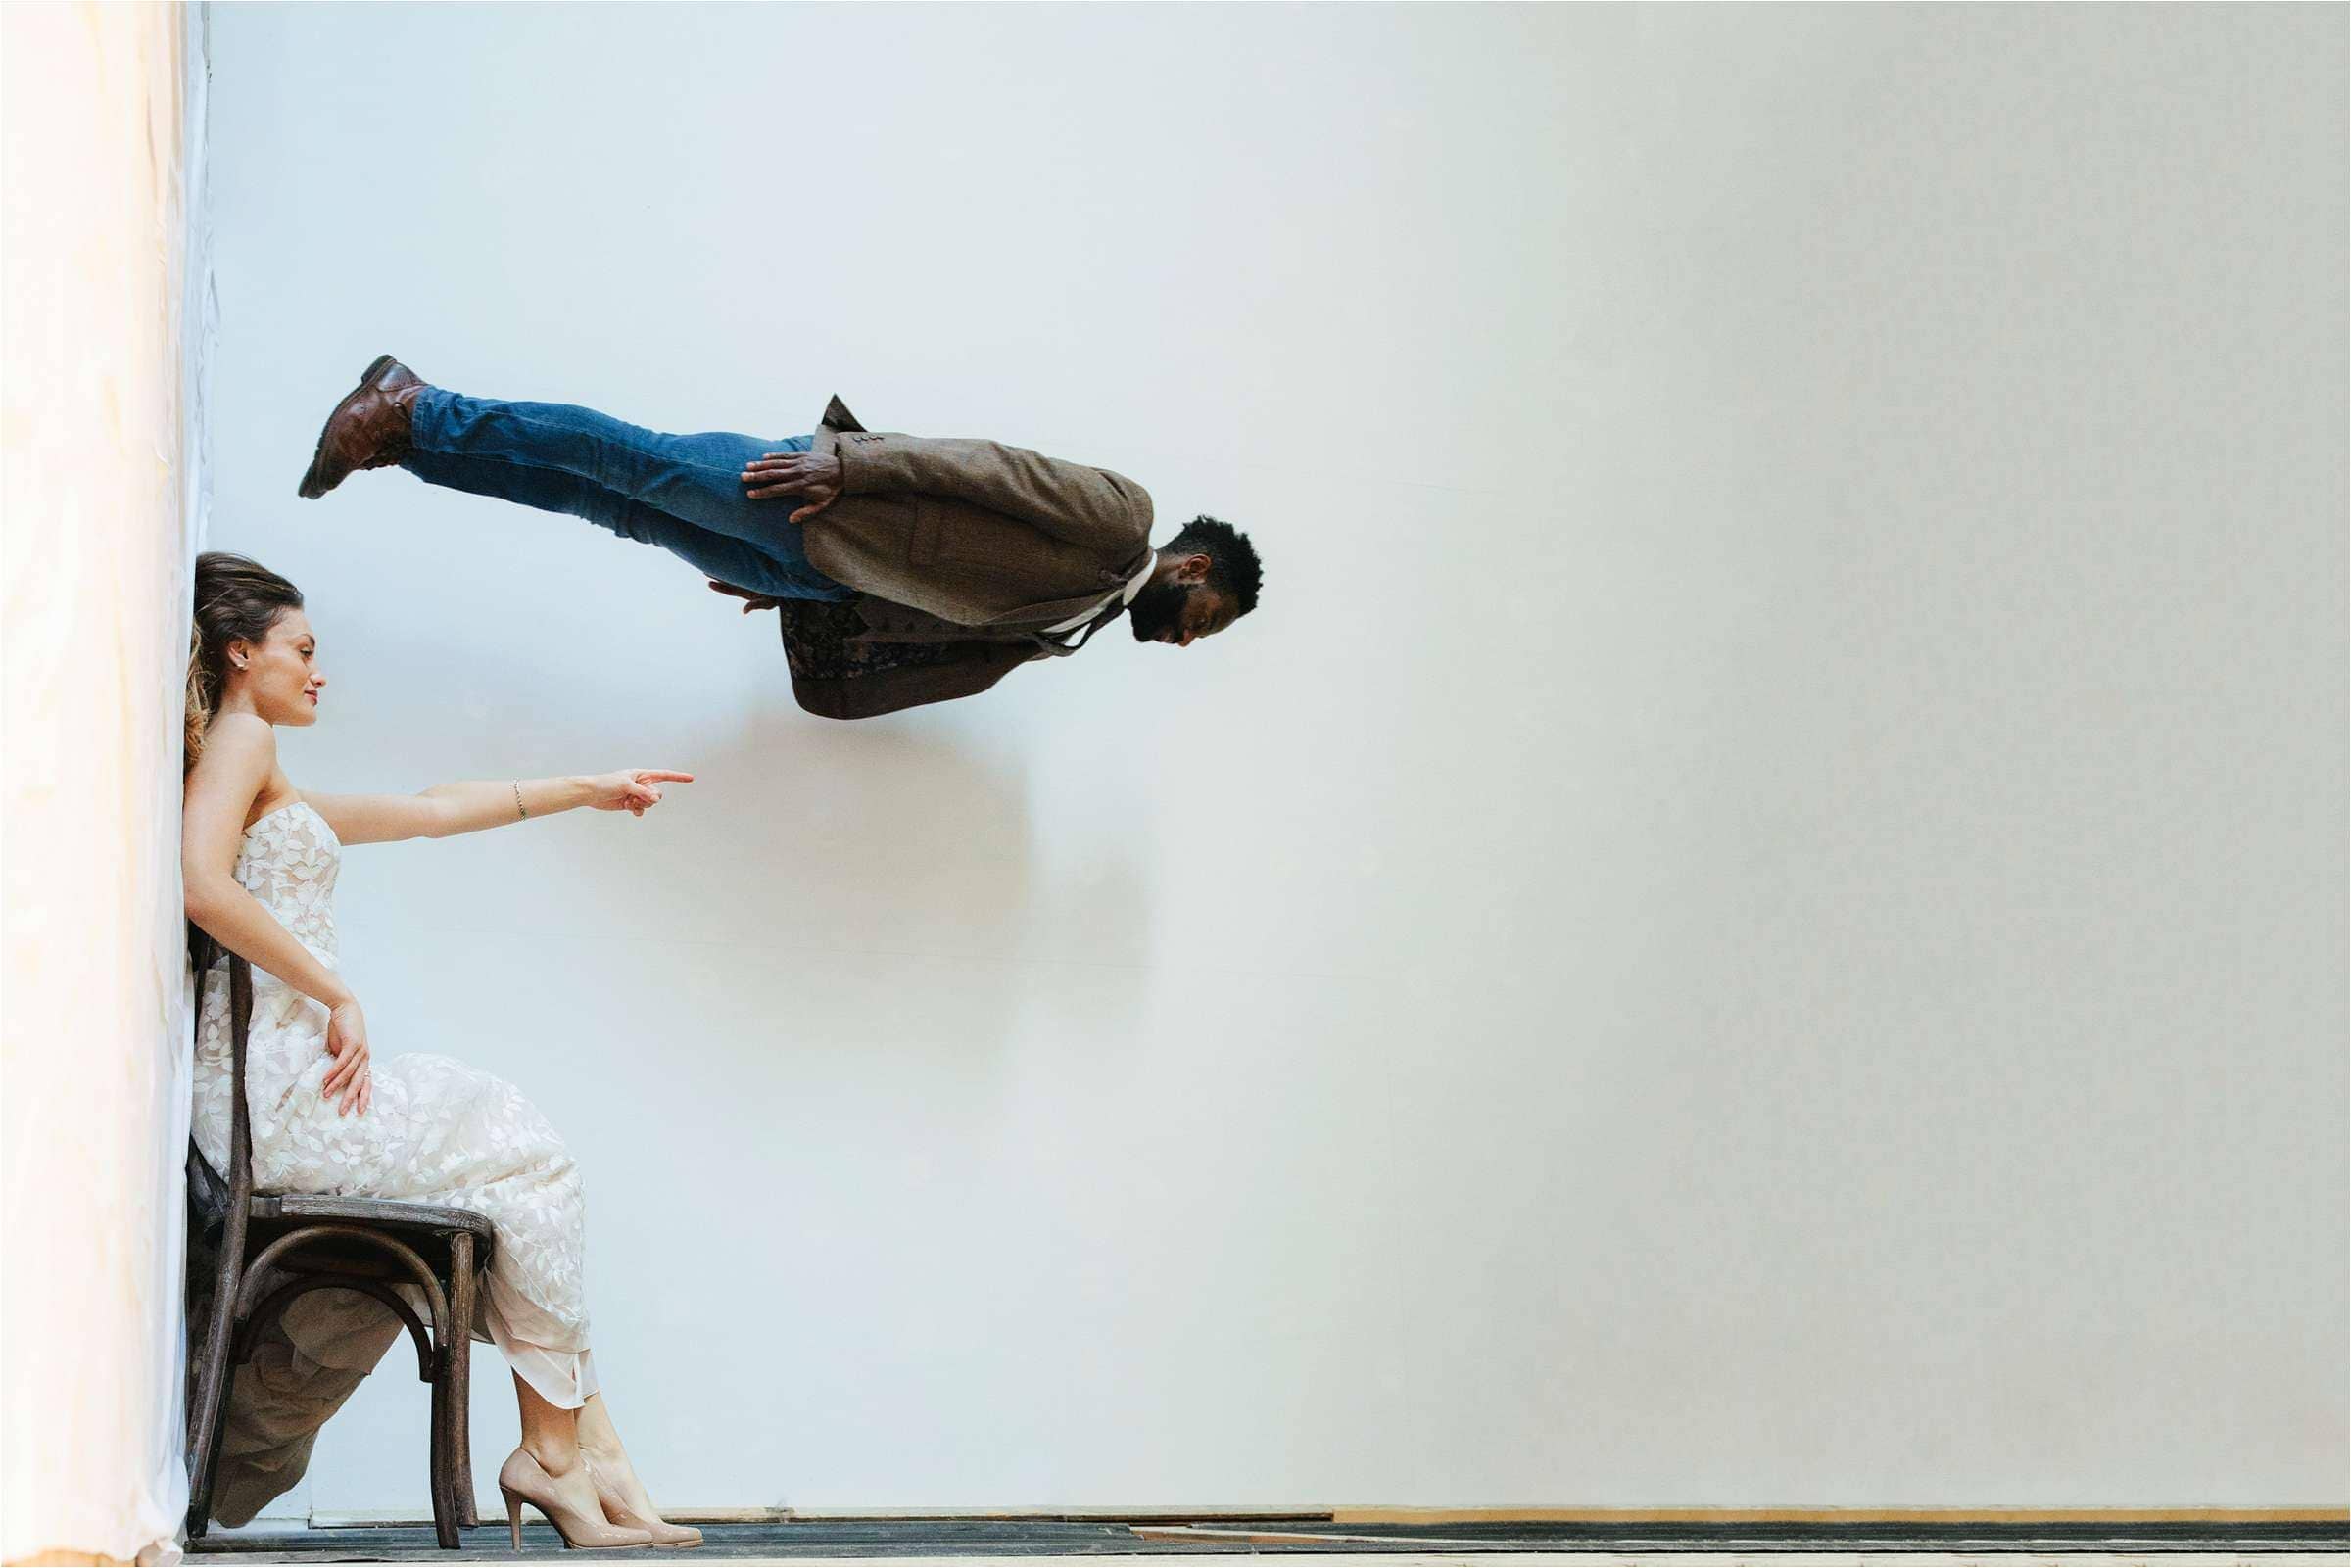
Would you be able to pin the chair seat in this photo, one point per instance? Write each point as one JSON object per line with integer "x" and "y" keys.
{"x": 424, "y": 1227}
{"x": 310, "y": 1210}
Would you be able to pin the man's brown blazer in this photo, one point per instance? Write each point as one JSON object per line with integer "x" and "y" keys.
{"x": 970, "y": 546}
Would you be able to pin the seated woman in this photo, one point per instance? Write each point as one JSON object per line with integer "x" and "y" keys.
{"x": 260, "y": 862}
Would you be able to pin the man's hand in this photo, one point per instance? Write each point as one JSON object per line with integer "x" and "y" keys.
{"x": 750, "y": 600}
{"x": 795, "y": 473}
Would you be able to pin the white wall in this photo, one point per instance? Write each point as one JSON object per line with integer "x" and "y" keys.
{"x": 1759, "y": 919}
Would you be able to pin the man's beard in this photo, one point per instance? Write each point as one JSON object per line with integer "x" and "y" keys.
{"x": 1158, "y": 610}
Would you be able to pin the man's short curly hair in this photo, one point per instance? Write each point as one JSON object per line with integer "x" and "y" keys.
{"x": 1232, "y": 563}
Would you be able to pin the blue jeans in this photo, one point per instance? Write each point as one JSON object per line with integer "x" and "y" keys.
{"x": 681, "y": 492}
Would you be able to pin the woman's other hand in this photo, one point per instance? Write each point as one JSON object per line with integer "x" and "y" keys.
{"x": 349, "y": 1081}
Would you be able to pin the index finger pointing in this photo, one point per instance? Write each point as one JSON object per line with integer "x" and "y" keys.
{"x": 651, "y": 774}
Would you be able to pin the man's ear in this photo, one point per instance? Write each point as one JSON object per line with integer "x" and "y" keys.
{"x": 1193, "y": 568}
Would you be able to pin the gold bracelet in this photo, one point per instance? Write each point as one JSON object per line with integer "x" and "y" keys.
{"x": 521, "y": 811}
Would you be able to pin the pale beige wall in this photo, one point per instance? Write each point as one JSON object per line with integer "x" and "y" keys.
{"x": 93, "y": 627}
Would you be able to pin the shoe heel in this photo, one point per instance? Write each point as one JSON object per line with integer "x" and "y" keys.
{"x": 513, "y": 1517}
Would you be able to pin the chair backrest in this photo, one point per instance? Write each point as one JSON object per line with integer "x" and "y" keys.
{"x": 211, "y": 1193}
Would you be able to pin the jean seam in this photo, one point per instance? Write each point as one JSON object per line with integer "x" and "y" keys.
{"x": 542, "y": 468}
{"x": 536, "y": 423}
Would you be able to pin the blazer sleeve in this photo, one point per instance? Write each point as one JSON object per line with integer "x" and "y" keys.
{"x": 1076, "y": 505}
{"x": 978, "y": 666}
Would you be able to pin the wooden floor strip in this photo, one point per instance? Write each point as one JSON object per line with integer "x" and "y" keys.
{"x": 1846, "y": 1537}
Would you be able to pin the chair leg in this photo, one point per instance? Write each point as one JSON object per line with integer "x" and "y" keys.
{"x": 461, "y": 1288}
{"x": 438, "y": 1457}
{"x": 215, "y": 1417}
{"x": 209, "y": 1412}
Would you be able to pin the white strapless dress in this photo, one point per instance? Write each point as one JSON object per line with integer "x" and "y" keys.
{"x": 436, "y": 1133}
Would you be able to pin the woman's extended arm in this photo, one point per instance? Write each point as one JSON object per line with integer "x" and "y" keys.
{"x": 239, "y": 759}
{"x": 463, "y": 808}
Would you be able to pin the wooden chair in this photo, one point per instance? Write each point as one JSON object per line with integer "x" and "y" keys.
{"x": 351, "y": 1244}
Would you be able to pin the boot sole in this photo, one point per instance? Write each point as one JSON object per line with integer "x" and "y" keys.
{"x": 309, "y": 487}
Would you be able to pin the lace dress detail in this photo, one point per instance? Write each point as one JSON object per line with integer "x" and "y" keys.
{"x": 436, "y": 1131}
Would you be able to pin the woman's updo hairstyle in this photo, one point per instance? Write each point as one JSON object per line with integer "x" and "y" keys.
{"x": 236, "y": 599}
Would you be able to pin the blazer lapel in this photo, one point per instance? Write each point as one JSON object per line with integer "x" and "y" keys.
{"x": 829, "y": 429}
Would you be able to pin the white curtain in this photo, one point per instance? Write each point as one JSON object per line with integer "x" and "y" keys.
{"x": 106, "y": 319}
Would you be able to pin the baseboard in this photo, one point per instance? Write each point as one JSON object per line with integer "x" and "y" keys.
{"x": 2318, "y": 1515}
{"x": 335, "y": 1519}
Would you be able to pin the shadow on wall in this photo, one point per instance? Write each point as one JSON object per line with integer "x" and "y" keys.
{"x": 884, "y": 882}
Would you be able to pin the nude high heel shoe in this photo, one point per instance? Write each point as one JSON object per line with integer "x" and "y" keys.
{"x": 665, "y": 1533}
{"x": 522, "y": 1479}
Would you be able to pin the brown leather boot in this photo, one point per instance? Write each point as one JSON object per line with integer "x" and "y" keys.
{"x": 369, "y": 429}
